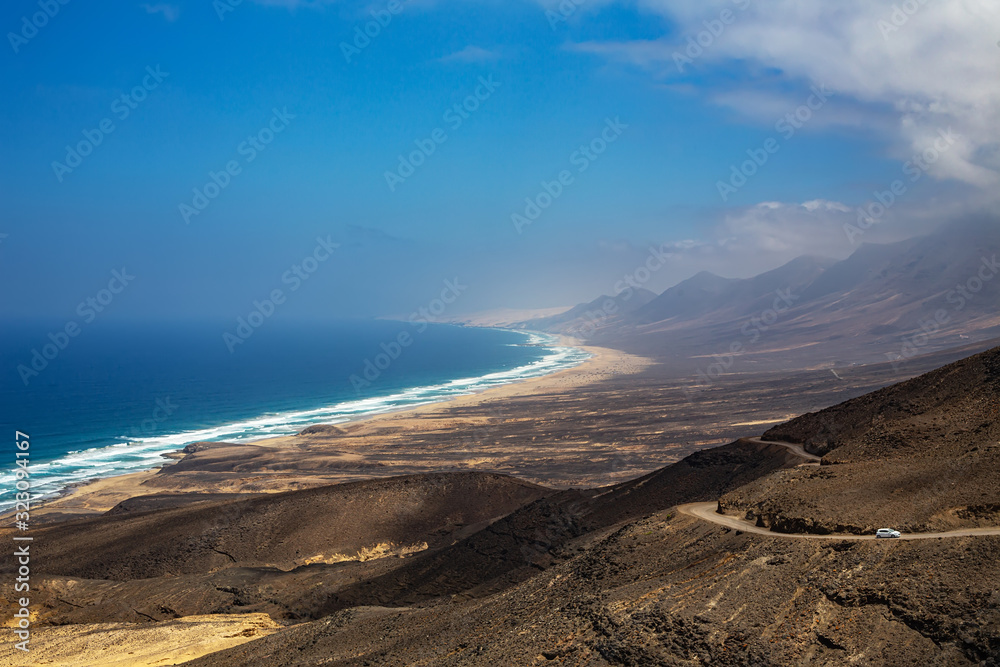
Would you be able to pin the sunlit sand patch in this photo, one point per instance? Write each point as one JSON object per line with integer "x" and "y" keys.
{"x": 138, "y": 645}
{"x": 472, "y": 462}
{"x": 380, "y": 550}
{"x": 766, "y": 421}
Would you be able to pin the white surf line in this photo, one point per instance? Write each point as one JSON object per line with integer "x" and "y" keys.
{"x": 113, "y": 460}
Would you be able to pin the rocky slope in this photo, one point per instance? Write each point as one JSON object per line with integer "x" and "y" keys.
{"x": 670, "y": 590}
{"x": 657, "y": 588}
{"x": 514, "y": 574}
{"x": 921, "y": 455}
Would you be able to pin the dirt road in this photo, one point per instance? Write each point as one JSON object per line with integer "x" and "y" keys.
{"x": 707, "y": 511}
{"x": 795, "y": 449}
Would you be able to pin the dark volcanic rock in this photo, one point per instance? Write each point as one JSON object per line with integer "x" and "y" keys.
{"x": 515, "y": 574}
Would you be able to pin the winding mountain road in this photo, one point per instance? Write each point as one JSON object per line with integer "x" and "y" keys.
{"x": 707, "y": 512}
{"x": 795, "y": 449}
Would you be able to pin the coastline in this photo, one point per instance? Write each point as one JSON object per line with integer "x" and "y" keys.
{"x": 100, "y": 495}
{"x": 342, "y": 410}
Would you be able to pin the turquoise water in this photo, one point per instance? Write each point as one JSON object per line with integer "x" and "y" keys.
{"x": 116, "y": 398}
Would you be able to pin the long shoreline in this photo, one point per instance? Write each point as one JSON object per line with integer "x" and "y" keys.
{"x": 99, "y": 495}
{"x": 178, "y": 452}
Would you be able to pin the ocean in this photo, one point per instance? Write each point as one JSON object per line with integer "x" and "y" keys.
{"x": 117, "y": 396}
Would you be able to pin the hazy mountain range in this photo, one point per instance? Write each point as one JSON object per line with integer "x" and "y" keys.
{"x": 911, "y": 296}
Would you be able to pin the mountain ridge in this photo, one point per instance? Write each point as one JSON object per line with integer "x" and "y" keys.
{"x": 938, "y": 290}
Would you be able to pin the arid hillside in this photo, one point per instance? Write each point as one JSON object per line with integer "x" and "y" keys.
{"x": 660, "y": 588}
{"x": 920, "y": 455}
{"x": 476, "y": 569}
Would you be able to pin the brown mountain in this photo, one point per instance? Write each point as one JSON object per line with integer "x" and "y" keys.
{"x": 601, "y": 312}
{"x": 471, "y": 569}
{"x": 709, "y": 293}
{"x": 884, "y": 302}
{"x": 617, "y": 576}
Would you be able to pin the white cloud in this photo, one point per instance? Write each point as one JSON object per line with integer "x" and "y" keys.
{"x": 933, "y": 69}
{"x": 471, "y": 54}
{"x": 783, "y": 231}
{"x": 824, "y": 205}
{"x": 748, "y": 241}
{"x": 170, "y": 12}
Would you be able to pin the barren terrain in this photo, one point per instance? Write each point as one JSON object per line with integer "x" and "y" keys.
{"x": 472, "y": 567}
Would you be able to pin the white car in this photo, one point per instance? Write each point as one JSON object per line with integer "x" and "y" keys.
{"x": 886, "y": 532}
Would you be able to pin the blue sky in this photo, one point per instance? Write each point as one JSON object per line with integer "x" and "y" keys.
{"x": 345, "y": 124}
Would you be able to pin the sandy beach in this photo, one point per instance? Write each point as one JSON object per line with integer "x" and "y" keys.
{"x": 372, "y": 446}
{"x": 613, "y": 417}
